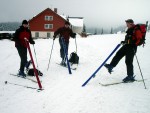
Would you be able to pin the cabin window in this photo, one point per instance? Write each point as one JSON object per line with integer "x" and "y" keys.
{"x": 48, "y": 34}
{"x": 49, "y": 18}
{"x": 48, "y": 26}
{"x": 36, "y": 34}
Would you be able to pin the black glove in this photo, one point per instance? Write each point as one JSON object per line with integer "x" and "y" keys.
{"x": 74, "y": 35}
{"x": 54, "y": 37}
{"x": 122, "y": 42}
{"x": 32, "y": 42}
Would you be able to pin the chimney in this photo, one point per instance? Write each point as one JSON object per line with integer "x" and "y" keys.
{"x": 55, "y": 10}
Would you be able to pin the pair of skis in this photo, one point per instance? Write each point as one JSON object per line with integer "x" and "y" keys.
{"x": 116, "y": 83}
{"x": 7, "y": 82}
{"x": 25, "y": 86}
{"x": 28, "y": 78}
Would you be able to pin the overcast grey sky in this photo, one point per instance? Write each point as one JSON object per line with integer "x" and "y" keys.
{"x": 95, "y": 12}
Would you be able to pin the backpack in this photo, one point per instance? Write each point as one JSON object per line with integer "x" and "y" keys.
{"x": 74, "y": 58}
{"x": 143, "y": 29}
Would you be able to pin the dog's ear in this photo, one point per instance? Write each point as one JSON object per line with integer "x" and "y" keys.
{"x": 40, "y": 73}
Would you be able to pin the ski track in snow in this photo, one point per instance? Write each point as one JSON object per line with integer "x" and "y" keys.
{"x": 63, "y": 92}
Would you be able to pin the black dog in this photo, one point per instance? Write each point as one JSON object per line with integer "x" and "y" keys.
{"x": 30, "y": 72}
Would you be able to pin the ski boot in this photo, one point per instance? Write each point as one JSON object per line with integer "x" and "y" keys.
{"x": 63, "y": 63}
{"x": 28, "y": 64}
{"x": 109, "y": 68}
{"x": 21, "y": 74}
{"x": 129, "y": 79}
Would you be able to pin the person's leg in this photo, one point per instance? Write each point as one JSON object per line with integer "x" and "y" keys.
{"x": 119, "y": 55}
{"x": 63, "y": 49}
{"x": 116, "y": 59}
{"x": 129, "y": 64}
{"x": 66, "y": 45}
{"x": 23, "y": 56}
{"x": 62, "y": 55}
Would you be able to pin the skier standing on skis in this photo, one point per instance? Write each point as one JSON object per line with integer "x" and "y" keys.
{"x": 64, "y": 34}
{"x": 128, "y": 50}
{"x": 20, "y": 44}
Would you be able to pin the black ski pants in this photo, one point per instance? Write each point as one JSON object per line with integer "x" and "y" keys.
{"x": 128, "y": 51}
{"x": 22, "y": 51}
{"x": 62, "y": 47}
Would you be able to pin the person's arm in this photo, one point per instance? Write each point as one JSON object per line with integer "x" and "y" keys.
{"x": 73, "y": 35}
{"x": 15, "y": 38}
{"x": 56, "y": 33}
{"x": 31, "y": 39}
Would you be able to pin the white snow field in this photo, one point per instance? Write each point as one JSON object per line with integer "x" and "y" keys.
{"x": 63, "y": 92}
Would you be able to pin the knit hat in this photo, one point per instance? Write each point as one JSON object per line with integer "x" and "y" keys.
{"x": 129, "y": 21}
{"x": 24, "y": 22}
{"x": 67, "y": 23}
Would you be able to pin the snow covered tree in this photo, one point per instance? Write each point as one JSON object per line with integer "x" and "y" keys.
{"x": 9, "y": 26}
{"x": 149, "y": 27}
{"x": 111, "y": 32}
{"x": 95, "y": 32}
{"x": 84, "y": 29}
{"x": 102, "y": 31}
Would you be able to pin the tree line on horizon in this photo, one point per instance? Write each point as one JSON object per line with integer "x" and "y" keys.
{"x": 12, "y": 26}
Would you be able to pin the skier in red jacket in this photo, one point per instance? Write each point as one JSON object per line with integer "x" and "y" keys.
{"x": 64, "y": 34}
{"x": 20, "y": 43}
{"x": 129, "y": 48}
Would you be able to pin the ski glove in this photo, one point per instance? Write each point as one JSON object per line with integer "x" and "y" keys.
{"x": 122, "y": 42}
{"x": 54, "y": 37}
{"x": 73, "y": 35}
{"x": 32, "y": 42}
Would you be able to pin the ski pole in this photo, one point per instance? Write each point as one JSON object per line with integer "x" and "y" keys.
{"x": 140, "y": 71}
{"x": 50, "y": 55}
{"x": 36, "y": 58}
{"x": 93, "y": 75}
{"x": 35, "y": 55}
{"x": 138, "y": 61}
{"x": 76, "y": 49}
{"x": 76, "y": 44}
{"x": 35, "y": 71}
{"x": 146, "y": 31}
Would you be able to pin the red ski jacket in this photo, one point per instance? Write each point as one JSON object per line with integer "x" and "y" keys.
{"x": 64, "y": 32}
{"x": 20, "y": 34}
{"x": 133, "y": 36}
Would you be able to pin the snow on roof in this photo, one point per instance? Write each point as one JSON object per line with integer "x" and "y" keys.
{"x": 7, "y": 32}
{"x": 64, "y": 17}
{"x": 76, "y": 21}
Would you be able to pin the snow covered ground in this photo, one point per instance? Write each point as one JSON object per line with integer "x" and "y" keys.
{"x": 63, "y": 92}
